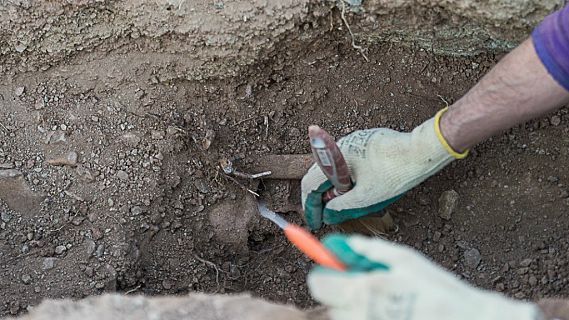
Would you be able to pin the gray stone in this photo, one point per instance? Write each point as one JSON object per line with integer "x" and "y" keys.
{"x": 6, "y": 216}
{"x": 49, "y": 263}
{"x": 167, "y": 284}
{"x": 26, "y": 279}
{"x": 122, "y": 175}
{"x": 19, "y": 91}
{"x": 9, "y": 173}
{"x": 100, "y": 251}
{"x": 136, "y": 210}
{"x": 131, "y": 139}
{"x": 90, "y": 246}
{"x": 157, "y": 134}
{"x": 526, "y": 262}
{"x": 202, "y": 186}
{"x": 472, "y": 258}
{"x": 60, "y": 249}
{"x": 447, "y": 204}
{"x": 69, "y": 160}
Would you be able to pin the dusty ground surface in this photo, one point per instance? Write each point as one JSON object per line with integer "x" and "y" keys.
{"x": 107, "y": 185}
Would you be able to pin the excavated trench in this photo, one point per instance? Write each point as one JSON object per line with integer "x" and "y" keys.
{"x": 115, "y": 116}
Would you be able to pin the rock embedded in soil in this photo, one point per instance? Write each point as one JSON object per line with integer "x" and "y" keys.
{"x": 131, "y": 139}
{"x": 167, "y": 284}
{"x": 208, "y": 139}
{"x": 555, "y": 120}
{"x": 472, "y": 258}
{"x": 526, "y": 262}
{"x": 447, "y": 204}
{"x": 26, "y": 279}
{"x": 6, "y": 216}
{"x": 19, "y": 91}
{"x": 48, "y": 263}
{"x": 60, "y": 249}
{"x": 9, "y": 173}
{"x": 15, "y": 191}
{"x": 122, "y": 175}
{"x": 157, "y": 134}
{"x": 69, "y": 160}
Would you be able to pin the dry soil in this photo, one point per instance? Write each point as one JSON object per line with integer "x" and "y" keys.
{"x": 108, "y": 183}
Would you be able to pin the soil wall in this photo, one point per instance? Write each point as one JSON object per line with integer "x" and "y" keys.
{"x": 198, "y": 40}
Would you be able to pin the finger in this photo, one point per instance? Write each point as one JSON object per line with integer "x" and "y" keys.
{"x": 396, "y": 256}
{"x": 314, "y": 183}
{"x": 350, "y": 294}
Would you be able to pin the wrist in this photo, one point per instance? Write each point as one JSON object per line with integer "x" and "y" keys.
{"x": 450, "y": 131}
{"x": 447, "y": 132}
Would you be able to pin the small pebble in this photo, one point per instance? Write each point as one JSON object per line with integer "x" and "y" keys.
{"x": 69, "y": 160}
{"x": 532, "y": 280}
{"x": 555, "y": 120}
{"x": 48, "y": 263}
{"x": 447, "y": 204}
{"x": 26, "y": 279}
{"x": 157, "y": 134}
{"x": 19, "y": 91}
{"x": 437, "y": 236}
{"x": 472, "y": 258}
{"x": 136, "y": 210}
{"x": 167, "y": 284}
{"x": 60, "y": 249}
{"x": 5, "y": 216}
{"x": 122, "y": 175}
{"x": 526, "y": 262}
{"x": 520, "y": 295}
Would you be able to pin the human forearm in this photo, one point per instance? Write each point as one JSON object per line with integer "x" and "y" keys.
{"x": 517, "y": 89}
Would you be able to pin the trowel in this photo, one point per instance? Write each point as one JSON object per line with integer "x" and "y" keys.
{"x": 303, "y": 239}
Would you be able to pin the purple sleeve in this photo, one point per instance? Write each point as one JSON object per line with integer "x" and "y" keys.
{"x": 551, "y": 42}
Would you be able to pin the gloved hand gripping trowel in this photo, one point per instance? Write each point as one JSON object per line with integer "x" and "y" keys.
{"x": 330, "y": 160}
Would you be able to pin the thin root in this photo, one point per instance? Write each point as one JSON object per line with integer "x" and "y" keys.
{"x": 242, "y": 186}
{"x": 211, "y": 264}
{"x": 354, "y": 45}
{"x": 132, "y": 290}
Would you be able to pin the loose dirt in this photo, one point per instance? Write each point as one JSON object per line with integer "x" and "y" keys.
{"x": 140, "y": 208}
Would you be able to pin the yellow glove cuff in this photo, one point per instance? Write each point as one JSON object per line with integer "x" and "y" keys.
{"x": 442, "y": 139}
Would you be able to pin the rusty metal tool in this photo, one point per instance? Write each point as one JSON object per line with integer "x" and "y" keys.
{"x": 303, "y": 240}
{"x": 329, "y": 158}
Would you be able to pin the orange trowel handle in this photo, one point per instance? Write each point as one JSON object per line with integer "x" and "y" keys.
{"x": 312, "y": 247}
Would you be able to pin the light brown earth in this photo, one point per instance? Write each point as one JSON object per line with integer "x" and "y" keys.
{"x": 145, "y": 209}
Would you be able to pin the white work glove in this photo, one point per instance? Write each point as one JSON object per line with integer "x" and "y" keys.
{"x": 384, "y": 164}
{"x": 385, "y": 281}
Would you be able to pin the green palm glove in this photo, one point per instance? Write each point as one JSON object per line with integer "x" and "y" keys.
{"x": 384, "y": 164}
{"x": 386, "y": 281}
